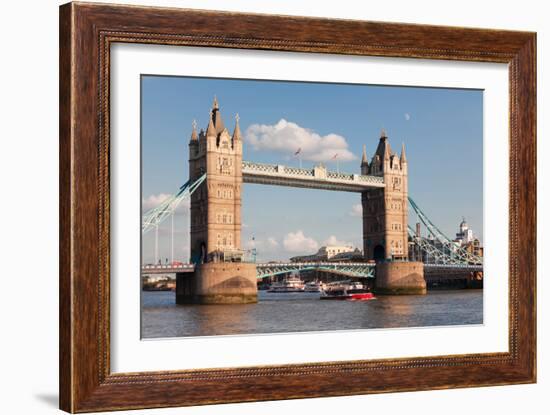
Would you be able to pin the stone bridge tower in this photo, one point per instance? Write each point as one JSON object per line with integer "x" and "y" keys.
{"x": 216, "y": 205}
{"x": 220, "y": 274}
{"x": 385, "y": 215}
{"x": 385, "y": 221}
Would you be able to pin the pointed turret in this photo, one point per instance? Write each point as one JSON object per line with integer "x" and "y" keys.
{"x": 403, "y": 156}
{"x": 211, "y": 130}
{"x": 237, "y": 132}
{"x": 217, "y": 117}
{"x": 364, "y": 161}
{"x": 194, "y": 141}
{"x": 387, "y": 151}
{"x": 194, "y": 137}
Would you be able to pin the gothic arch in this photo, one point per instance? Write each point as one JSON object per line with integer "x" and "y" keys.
{"x": 379, "y": 253}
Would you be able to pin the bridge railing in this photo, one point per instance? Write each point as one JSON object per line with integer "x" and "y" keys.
{"x": 167, "y": 266}
{"x": 340, "y": 176}
{"x": 295, "y": 171}
{"x": 276, "y": 168}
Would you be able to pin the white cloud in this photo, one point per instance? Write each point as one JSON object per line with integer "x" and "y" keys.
{"x": 298, "y": 242}
{"x": 287, "y": 137}
{"x": 407, "y": 116}
{"x": 356, "y": 210}
{"x": 332, "y": 240}
{"x": 153, "y": 201}
{"x": 272, "y": 243}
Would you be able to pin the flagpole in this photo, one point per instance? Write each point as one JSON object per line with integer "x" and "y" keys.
{"x": 335, "y": 157}
{"x": 298, "y": 153}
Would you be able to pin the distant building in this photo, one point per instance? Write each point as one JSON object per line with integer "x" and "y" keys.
{"x": 331, "y": 253}
{"x": 474, "y": 247}
{"x": 465, "y": 234}
{"x": 464, "y": 240}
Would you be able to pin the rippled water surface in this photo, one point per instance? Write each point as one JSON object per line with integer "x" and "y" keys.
{"x": 296, "y": 312}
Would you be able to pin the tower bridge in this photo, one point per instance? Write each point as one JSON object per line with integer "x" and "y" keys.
{"x": 216, "y": 175}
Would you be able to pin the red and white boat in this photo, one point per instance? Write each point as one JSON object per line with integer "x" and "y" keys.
{"x": 346, "y": 291}
{"x": 291, "y": 284}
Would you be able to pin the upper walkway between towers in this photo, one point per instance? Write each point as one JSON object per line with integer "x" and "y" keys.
{"x": 316, "y": 178}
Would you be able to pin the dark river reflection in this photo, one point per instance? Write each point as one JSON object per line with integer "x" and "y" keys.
{"x": 298, "y": 312}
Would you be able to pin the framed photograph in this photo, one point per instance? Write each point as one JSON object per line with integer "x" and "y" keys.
{"x": 258, "y": 207}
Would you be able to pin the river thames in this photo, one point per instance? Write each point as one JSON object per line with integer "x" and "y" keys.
{"x": 301, "y": 312}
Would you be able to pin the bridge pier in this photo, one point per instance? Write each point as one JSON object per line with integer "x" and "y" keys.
{"x": 218, "y": 283}
{"x": 475, "y": 280}
{"x": 400, "y": 277}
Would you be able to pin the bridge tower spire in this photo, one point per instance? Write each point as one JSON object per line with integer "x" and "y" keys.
{"x": 237, "y": 131}
{"x": 211, "y": 130}
{"x": 364, "y": 162}
{"x": 385, "y": 210}
{"x": 403, "y": 158}
{"x": 193, "y": 143}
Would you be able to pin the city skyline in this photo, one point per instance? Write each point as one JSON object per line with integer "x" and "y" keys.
{"x": 295, "y": 123}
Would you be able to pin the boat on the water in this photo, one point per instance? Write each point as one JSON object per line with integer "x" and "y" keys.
{"x": 291, "y": 284}
{"x": 313, "y": 287}
{"x": 346, "y": 290}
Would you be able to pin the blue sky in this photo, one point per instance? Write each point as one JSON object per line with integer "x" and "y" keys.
{"x": 442, "y": 130}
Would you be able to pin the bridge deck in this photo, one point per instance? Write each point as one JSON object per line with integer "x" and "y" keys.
{"x": 317, "y": 178}
{"x": 267, "y": 269}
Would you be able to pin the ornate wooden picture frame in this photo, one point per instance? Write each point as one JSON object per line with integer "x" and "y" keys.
{"x": 87, "y": 32}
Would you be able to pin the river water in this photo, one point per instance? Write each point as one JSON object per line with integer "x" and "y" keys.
{"x": 299, "y": 312}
